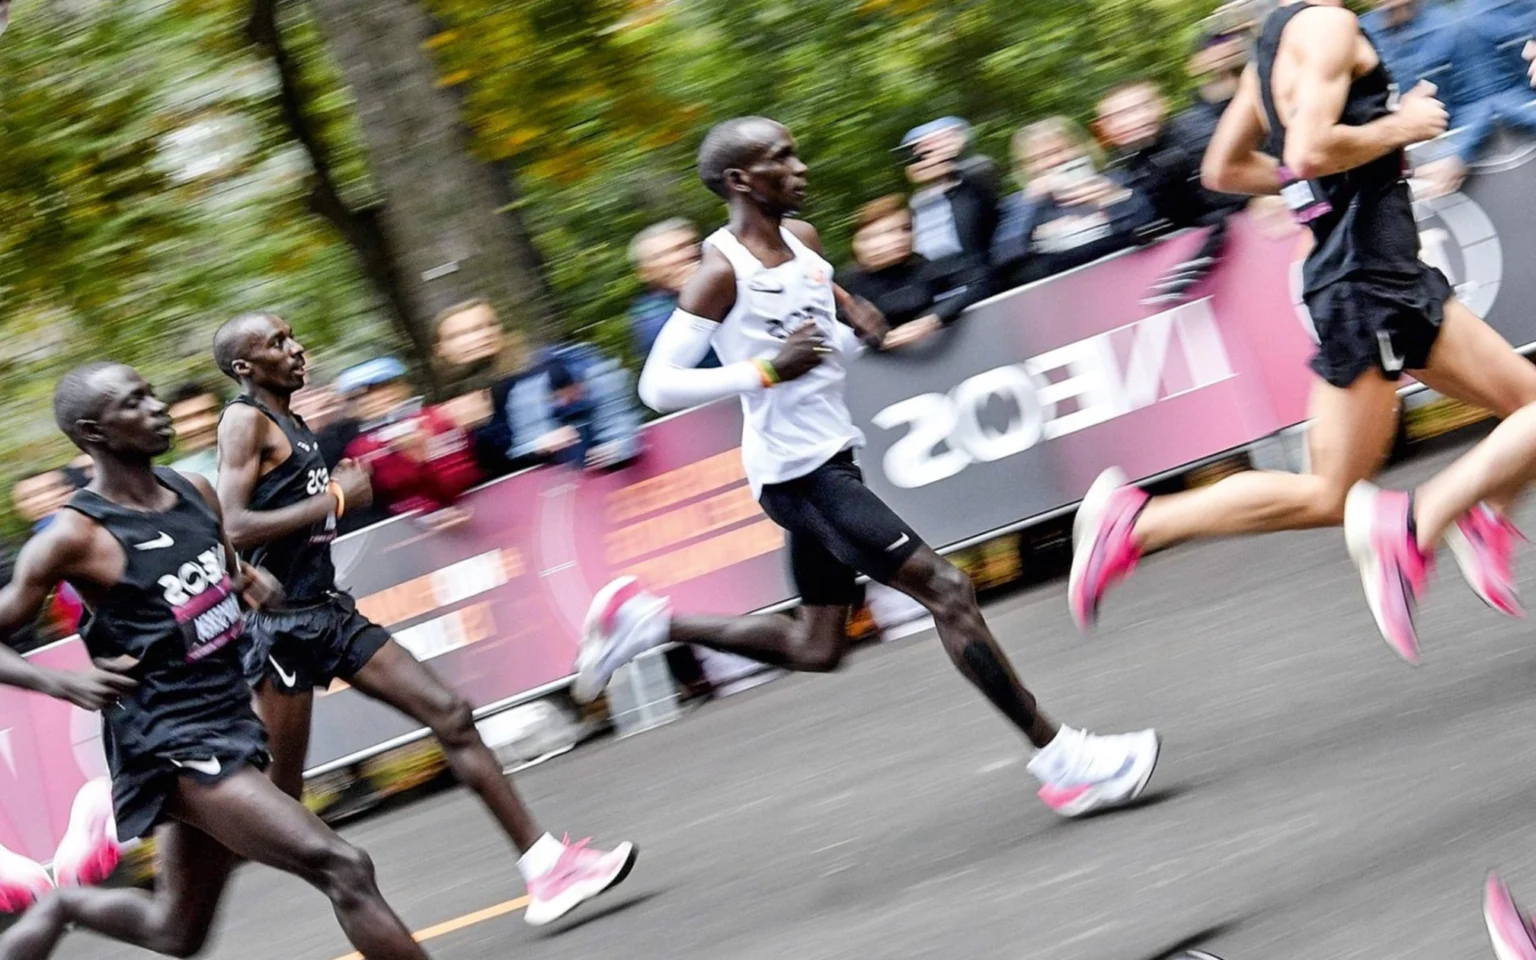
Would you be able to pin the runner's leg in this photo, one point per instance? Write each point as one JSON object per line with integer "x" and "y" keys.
{"x": 287, "y": 719}
{"x": 815, "y": 642}
{"x": 395, "y": 677}
{"x": 173, "y": 920}
{"x": 1349, "y": 437}
{"x": 248, "y": 814}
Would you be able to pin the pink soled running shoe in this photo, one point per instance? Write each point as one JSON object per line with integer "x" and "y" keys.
{"x": 1103, "y": 552}
{"x": 89, "y": 851}
{"x": 1082, "y": 772}
{"x": 1393, "y": 569}
{"x": 22, "y": 882}
{"x": 576, "y": 877}
{"x": 1510, "y": 930}
{"x": 1483, "y": 543}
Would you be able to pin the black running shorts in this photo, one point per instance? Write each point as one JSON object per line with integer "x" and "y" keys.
{"x": 206, "y": 750}
{"x": 837, "y": 529}
{"x": 1387, "y": 323}
{"x": 306, "y": 647}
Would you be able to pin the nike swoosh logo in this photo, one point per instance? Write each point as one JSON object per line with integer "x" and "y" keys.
{"x": 289, "y": 679}
{"x": 208, "y": 768}
{"x": 159, "y": 543}
{"x": 1391, "y": 360}
{"x": 898, "y": 544}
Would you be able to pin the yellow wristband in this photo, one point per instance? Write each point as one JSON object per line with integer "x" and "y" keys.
{"x": 769, "y": 375}
{"x": 334, "y": 489}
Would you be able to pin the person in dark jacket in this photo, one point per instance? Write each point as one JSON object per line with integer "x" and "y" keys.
{"x": 1069, "y": 213}
{"x": 954, "y": 200}
{"x": 918, "y": 297}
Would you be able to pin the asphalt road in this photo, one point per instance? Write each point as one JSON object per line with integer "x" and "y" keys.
{"x": 1317, "y": 798}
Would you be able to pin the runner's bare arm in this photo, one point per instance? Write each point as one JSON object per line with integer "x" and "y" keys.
{"x": 1234, "y": 162}
{"x": 1326, "y": 44}
{"x": 45, "y": 561}
{"x": 239, "y": 470}
{"x": 670, "y": 380}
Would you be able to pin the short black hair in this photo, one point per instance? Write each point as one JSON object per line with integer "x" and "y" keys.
{"x": 191, "y": 390}
{"x": 728, "y": 146}
{"x": 234, "y": 338}
{"x": 76, "y": 397}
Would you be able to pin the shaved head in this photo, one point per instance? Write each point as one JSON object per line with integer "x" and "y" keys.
{"x": 81, "y": 394}
{"x": 236, "y": 338}
{"x": 733, "y": 144}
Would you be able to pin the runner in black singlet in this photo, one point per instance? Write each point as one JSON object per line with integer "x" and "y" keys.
{"x": 145, "y": 549}
{"x": 281, "y": 507}
{"x": 1314, "y": 122}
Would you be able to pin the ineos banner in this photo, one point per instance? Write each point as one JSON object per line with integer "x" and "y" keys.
{"x": 1007, "y": 416}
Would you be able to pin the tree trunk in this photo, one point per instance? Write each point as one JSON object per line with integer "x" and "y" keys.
{"x": 449, "y": 234}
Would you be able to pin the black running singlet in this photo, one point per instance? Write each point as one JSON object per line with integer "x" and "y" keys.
{"x": 174, "y": 610}
{"x": 301, "y": 561}
{"x": 1370, "y": 227}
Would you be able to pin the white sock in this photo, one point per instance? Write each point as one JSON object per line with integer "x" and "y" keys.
{"x": 540, "y": 858}
{"x": 1057, "y": 758}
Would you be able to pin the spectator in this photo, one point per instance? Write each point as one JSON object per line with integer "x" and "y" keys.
{"x": 916, "y": 296}
{"x": 195, "y": 413}
{"x": 1068, "y": 213}
{"x": 954, "y": 206}
{"x": 478, "y": 362}
{"x": 1491, "y": 86}
{"x": 325, "y": 412}
{"x": 419, "y": 458}
{"x": 664, "y": 256}
{"x": 1222, "y": 48}
{"x": 574, "y": 406}
{"x": 1420, "y": 41}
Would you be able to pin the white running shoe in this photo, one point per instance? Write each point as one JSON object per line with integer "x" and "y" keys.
{"x": 22, "y": 882}
{"x": 623, "y": 622}
{"x": 1101, "y": 772}
{"x": 576, "y": 877}
{"x": 89, "y": 851}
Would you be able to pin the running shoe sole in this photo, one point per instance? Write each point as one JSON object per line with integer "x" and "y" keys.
{"x": 89, "y": 851}
{"x": 1085, "y": 527}
{"x": 1359, "y": 520}
{"x": 1508, "y": 928}
{"x": 595, "y": 638}
{"x": 1089, "y": 801}
{"x": 1465, "y": 556}
{"x": 22, "y": 882}
{"x": 577, "y": 894}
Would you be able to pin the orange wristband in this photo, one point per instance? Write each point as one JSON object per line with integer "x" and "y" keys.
{"x": 334, "y": 489}
{"x": 769, "y": 375}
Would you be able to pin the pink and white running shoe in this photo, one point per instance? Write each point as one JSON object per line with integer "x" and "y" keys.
{"x": 1510, "y": 930}
{"x": 1393, "y": 569}
{"x": 89, "y": 851}
{"x": 579, "y": 875}
{"x": 1104, "y": 771}
{"x": 1483, "y": 543}
{"x": 22, "y": 882}
{"x": 623, "y": 622}
{"x": 1103, "y": 551}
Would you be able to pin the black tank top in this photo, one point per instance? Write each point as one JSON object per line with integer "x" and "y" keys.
{"x": 300, "y": 561}
{"x": 174, "y": 610}
{"x": 1370, "y": 228}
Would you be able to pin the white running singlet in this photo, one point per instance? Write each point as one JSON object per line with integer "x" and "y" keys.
{"x": 798, "y": 425}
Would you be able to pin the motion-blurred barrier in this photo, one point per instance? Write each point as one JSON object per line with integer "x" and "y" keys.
{"x": 1001, "y": 422}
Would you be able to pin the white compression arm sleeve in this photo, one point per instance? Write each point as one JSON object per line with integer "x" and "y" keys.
{"x": 670, "y": 380}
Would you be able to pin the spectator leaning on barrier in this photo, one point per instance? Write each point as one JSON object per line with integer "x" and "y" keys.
{"x": 1420, "y": 41}
{"x": 663, "y": 255}
{"x": 478, "y": 361}
{"x": 954, "y": 203}
{"x": 418, "y": 457}
{"x": 574, "y": 406}
{"x": 1068, "y": 213}
{"x": 1492, "y": 85}
{"x": 916, "y": 295}
{"x": 195, "y": 410}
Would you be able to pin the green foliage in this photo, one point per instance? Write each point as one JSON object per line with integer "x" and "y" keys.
{"x": 599, "y": 104}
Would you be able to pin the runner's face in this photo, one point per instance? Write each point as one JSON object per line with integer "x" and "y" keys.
{"x": 777, "y": 178}
{"x": 273, "y": 360}
{"x": 132, "y": 420}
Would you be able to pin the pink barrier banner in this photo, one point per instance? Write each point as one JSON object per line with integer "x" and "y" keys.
{"x": 1006, "y": 417}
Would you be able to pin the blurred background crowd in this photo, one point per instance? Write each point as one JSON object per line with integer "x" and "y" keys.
{"x": 478, "y": 300}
